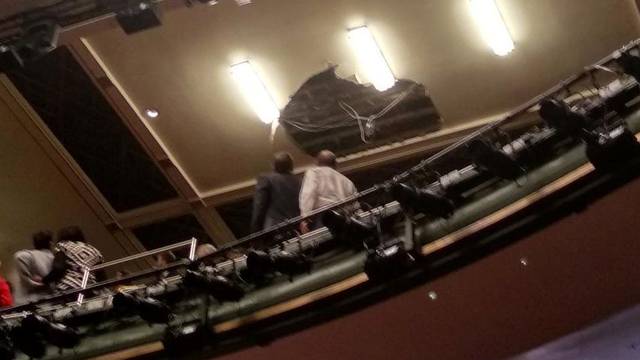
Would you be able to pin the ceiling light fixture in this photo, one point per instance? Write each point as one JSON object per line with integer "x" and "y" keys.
{"x": 152, "y": 113}
{"x": 492, "y": 26}
{"x": 255, "y": 92}
{"x": 370, "y": 58}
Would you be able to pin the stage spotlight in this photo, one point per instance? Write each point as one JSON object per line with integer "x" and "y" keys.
{"x": 497, "y": 162}
{"x": 30, "y": 343}
{"x": 38, "y": 39}
{"x": 56, "y": 334}
{"x": 149, "y": 309}
{"x": 220, "y": 287}
{"x": 187, "y": 338}
{"x": 604, "y": 147}
{"x": 8, "y": 59}
{"x": 422, "y": 200}
{"x": 630, "y": 65}
{"x": 388, "y": 260}
{"x": 142, "y": 15}
{"x": 7, "y": 351}
{"x": 260, "y": 263}
{"x": 62, "y": 336}
{"x": 291, "y": 264}
{"x": 348, "y": 228}
{"x": 559, "y": 116}
{"x": 605, "y": 150}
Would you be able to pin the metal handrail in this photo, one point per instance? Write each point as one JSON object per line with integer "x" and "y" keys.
{"x": 192, "y": 243}
{"x": 437, "y": 156}
{"x": 290, "y": 222}
{"x": 148, "y": 253}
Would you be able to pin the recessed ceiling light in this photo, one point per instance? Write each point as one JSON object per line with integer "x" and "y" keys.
{"x": 255, "y": 92}
{"x": 492, "y": 26}
{"x": 151, "y": 113}
{"x": 370, "y": 58}
{"x": 433, "y": 296}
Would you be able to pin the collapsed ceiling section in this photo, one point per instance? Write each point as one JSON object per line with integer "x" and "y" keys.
{"x": 328, "y": 112}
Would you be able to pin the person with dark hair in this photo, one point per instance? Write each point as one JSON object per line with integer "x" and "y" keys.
{"x": 276, "y": 197}
{"x": 6, "y": 299}
{"x": 72, "y": 256}
{"x": 33, "y": 265}
{"x": 323, "y": 185}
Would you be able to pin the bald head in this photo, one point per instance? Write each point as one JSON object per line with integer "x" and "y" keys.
{"x": 282, "y": 163}
{"x": 326, "y": 158}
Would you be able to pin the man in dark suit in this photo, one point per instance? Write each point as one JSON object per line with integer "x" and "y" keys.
{"x": 276, "y": 197}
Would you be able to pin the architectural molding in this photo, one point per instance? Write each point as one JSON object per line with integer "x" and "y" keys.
{"x": 208, "y": 218}
{"x": 68, "y": 167}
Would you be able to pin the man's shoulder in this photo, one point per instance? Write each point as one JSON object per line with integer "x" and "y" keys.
{"x": 277, "y": 177}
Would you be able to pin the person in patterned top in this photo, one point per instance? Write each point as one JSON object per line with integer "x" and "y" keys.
{"x": 72, "y": 256}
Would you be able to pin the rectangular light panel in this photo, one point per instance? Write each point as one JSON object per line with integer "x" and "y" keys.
{"x": 370, "y": 58}
{"x": 255, "y": 92}
{"x": 492, "y": 26}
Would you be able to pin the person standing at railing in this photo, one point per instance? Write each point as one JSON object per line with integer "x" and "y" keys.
{"x": 323, "y": 185}
{"x": 33, "y": 265}
{"x": 276, "y": 197}
{"x": 72, "y": 256}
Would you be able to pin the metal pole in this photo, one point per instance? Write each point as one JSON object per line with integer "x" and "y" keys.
{"x": 85, "y": 280}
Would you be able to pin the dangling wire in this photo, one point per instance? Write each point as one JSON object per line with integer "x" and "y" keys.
{"x": 366, "y": 124}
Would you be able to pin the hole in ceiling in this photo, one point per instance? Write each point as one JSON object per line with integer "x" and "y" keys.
{"x": 329, "y": 112}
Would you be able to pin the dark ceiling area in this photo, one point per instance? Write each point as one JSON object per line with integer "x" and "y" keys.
{"x": 328, "y": 112}
{"x": 171, "y": 231}
{"x": 87, "y": 126}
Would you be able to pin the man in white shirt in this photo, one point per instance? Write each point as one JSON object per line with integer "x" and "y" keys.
{"x": 34, "y": 265}
{"x": 323, "y": 185}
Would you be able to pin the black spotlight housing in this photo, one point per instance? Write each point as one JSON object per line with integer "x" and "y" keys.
{"x": 187, "y": 338}
{"x": 559, "y": 116}
{"x": 605, "y": 150}
{"x": 139, "y": 16}
{"x": 38, "y": 39}
{"x": 422, "y": 200}
{"x": 288, "y": 263}
{"x": 387, "y": 261}
{"x": 149, "y": 309}
{"x": 30, "y": 342}
{"x": 7, "y": 350}
{"x": 261, "y": 264}
{"x": 630, "y": 64}
{"x": 220, "y": 287}
{"x": 497, "y": 162}
{"x": 56, "y": 334}
{"x": 62, "y": 336}
{"x": 348, "y": 228}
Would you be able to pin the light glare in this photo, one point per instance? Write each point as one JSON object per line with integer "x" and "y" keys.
{"x": 492, "y": 26}
{"x": 152, "y": 113}
{"x": 370, "y": 58}
{"x": 255, "y": 92}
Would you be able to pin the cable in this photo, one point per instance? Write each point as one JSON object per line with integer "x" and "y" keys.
{"x": 369, "y": 120}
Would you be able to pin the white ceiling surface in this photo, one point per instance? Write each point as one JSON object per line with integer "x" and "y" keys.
{"x": 182, "y": 67}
